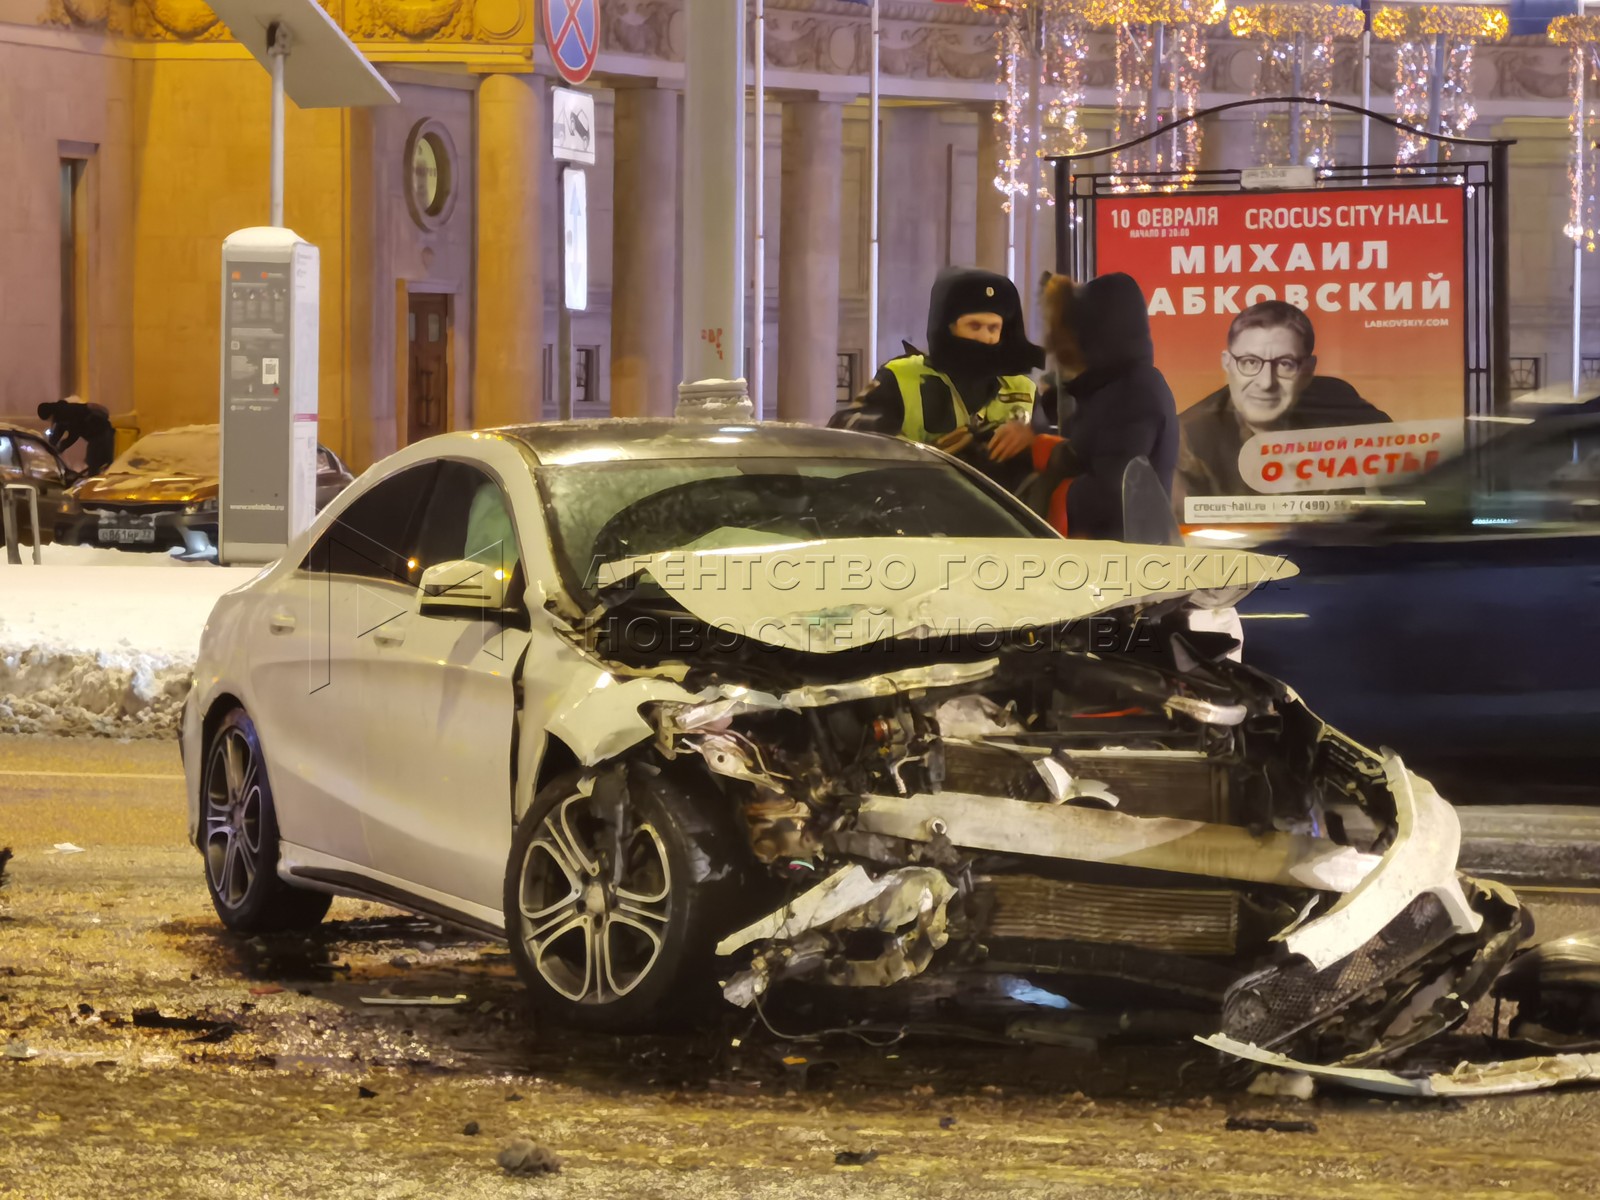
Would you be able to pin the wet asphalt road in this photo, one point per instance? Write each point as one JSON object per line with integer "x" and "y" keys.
{"x": 268, "y": 1093}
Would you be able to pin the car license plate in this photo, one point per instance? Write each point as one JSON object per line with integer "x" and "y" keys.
{"x": 112, "y": 533}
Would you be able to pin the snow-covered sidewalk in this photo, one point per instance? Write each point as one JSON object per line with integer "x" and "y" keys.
{"x": 102, "y": 641}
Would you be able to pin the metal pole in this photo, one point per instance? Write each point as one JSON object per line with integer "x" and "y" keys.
{"x": 759, "y": 316}
{"x": 1500, "y": 276}
{"x": 1436, "y": 97}
{"x": 1366, "y": 95}
{"x": 873, "y": 152}
{"x": 1580, "y": 152}
{"x": 1172, "y": 96}
{"x": 277, "y": 51}
{"x": 1158, "y": 55}
{"x": 563, "y": 313}
{"x": 1294, "y": 109}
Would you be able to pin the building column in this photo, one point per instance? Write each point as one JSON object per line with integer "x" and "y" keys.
{"x": 508, "y": 350}
{"x": 992, "y": 220}
{"x": 644, "y": 239}
{"x": 911, "y": 200}
{"x": 808, "y": 260}
{"x": 713, "y": 193}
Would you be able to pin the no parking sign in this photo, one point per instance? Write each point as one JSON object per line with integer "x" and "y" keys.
{"x": 572, "y": 31}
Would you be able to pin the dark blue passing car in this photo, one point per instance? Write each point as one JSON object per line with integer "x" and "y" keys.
{"x": 1457, "y": 619}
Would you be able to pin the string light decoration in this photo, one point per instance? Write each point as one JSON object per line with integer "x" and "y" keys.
{"x": 1011, "y": 110}
{"x": 1044, "y": 42}
{"x": 1435, "y": 40}
{"x": 1294, "y": 40}
{"x": 1581, "y": 35}
{"x": 1066, "y": 54}
{"x": 1160, "y": 60}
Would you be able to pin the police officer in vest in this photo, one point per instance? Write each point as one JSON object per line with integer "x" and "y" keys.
{"x": 971, "y": 393}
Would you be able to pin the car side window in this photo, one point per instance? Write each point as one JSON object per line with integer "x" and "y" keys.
{"x": 468, "y": 517}
{"x": 375, "y": 536}
{"x": 8, "y": 456}
{"x": 38, "y": 462}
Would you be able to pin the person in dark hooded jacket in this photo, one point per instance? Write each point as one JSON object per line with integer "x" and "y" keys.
{"x": 1117, "y": 406}
{"x": 973, "y": 383}
{"x": 71, "y": 420}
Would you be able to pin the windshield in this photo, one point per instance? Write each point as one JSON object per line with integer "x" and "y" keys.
{"x": 603, "y": 512}
{"x": 191, "y": 450}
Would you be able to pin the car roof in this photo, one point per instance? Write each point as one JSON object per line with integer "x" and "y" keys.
{"x": 556, "y": 443}
{"x": 36, "y": 435}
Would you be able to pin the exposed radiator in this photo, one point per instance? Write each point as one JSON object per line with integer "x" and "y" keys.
{"x": 1146, "y": 784}
{"x": 1175, "y": 920}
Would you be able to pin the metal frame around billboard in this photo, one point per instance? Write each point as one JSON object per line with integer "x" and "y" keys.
{"x": 1484, "y": 178}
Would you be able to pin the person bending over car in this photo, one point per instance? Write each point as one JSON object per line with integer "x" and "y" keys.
{"x": 71, "y": 420}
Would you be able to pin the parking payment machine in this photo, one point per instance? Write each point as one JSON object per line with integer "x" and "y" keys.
{"x": 269, "y": 393}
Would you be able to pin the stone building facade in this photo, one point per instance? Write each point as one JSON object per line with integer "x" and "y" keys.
{"x": 135, "y": 137}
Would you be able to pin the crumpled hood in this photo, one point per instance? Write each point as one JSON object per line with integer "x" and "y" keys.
{"x": 134, "y": 487}
{"x": 832, "y": 595}
{"x": 1112, "y": 323}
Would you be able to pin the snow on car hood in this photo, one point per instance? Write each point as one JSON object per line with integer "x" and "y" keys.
{"x": 836, "y": 594}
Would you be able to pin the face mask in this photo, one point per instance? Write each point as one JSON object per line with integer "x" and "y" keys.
{"x": 965, "y": 357}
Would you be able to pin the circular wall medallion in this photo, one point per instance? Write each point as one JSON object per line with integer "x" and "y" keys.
{"x": 430, "y": 174}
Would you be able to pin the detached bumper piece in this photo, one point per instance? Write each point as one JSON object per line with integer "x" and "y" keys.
{"x": 1467, "y": 1080}
{"x": 1415, "y": 980}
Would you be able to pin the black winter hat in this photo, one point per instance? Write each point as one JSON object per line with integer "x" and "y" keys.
{"x": 959, "y": 291}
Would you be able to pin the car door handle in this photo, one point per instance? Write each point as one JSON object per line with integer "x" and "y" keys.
{"x": 386, "y": 636}
{"x": 281, "y": 622}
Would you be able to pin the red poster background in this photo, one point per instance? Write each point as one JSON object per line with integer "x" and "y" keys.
{"x": 1407, "y": 360}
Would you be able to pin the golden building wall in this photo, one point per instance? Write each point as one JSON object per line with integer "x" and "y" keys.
{"x": 200, "y": 155}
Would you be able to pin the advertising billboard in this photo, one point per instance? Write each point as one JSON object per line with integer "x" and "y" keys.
{"x": 1314, "y": 340}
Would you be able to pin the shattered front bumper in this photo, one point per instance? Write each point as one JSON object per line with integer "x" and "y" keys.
{"x": 1402, "y": 921}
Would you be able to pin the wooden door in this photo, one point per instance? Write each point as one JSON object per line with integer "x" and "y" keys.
{"x": 429, "y": 390}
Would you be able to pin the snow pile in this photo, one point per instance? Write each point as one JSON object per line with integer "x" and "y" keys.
{"x": 88, "y": 650}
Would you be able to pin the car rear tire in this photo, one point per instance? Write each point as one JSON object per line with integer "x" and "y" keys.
{"x": 630, "y": 953}
{"x": 239, "y": 837}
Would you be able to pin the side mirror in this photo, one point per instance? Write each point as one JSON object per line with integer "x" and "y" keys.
{"x": 462, "y": 587}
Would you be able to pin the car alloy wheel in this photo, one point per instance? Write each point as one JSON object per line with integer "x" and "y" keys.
{"x": 593, "y": 919}
{"x": 233, "y": 791}
{"x": 239, "y": 837}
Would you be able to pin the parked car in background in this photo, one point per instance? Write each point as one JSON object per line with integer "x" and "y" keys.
{"x": 1456, "y": 618}
{"x": 161, "y": 495}
{"x": 25, "y": 457}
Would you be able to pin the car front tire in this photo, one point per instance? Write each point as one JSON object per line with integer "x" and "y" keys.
{"x": 239, "y": 837}
{"x": 626, "y": 950}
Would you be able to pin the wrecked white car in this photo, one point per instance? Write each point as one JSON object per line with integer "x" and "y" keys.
{"x": 679, "y": 707}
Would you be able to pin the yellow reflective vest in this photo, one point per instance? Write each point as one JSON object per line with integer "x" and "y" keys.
{"x": 1013, "y": 401}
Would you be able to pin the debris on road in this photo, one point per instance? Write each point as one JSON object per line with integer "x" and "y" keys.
{"x": 523, "y": 1156}
{"x": 153, "y": 1018}
{"x": 471, "y": 1129}
{"x": 5, "y": 859}
{"x": 1467, "y": 1079}
{"x": 65, "y": 848}
{"x": 1288, "y": 1084}
{"x": 20, "y": 1050}
{"x": 854, "y": 1158}
{"x": 1268, "y": 1125}
{"x": 415, "y": 1001}
{"x": 365, "y": 1092}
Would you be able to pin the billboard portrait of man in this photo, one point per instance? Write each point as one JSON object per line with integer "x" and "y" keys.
{"x": 1270, "y": 364}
